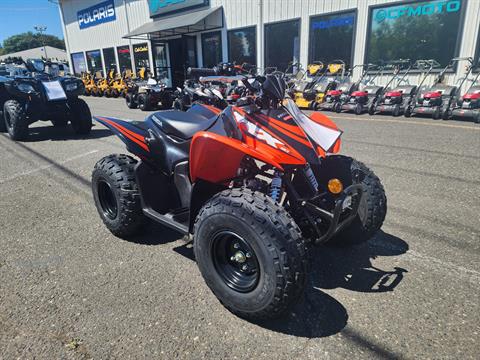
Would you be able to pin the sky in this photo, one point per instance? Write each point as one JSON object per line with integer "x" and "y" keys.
{"x": 18, "y": 16}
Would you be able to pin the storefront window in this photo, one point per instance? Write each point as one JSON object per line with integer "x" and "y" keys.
{"x": 331, "y": 37}
{"x": 212, "y": 48}
{"x": 416, "y": 30}
{"x": 94, "y": 61}
{"x": 140, "y": 55}
{"x": 79, "y": 64}
{"x": 282, "y": 44}
{"x": 109, "y": 59}
{"x": 242, "y": 46}
{"x": 161, "y": 66}
{"x": 476, "y": 59}
{"x": 124, "y": 58}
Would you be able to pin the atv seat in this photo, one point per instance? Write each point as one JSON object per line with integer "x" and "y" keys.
{"x": 181, "y": 124}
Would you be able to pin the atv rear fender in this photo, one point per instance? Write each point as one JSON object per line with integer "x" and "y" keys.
{"x": 131, "y": 135}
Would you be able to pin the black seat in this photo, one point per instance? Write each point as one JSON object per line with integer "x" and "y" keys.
{"x": 181, "y": 124}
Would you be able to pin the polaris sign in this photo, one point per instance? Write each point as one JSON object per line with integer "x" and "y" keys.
{"x": 429, "y": 8}
{"x": 96, "y": 14}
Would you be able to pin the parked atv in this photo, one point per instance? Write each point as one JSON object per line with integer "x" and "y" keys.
{"x": 38, "y": 96}
{"x": 255, "y": 185}
{"x": 147, "y": 95}
{"x": 195, "y": 93}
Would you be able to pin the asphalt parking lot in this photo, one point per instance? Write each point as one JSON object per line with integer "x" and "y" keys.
{"x": 71, "y": 290}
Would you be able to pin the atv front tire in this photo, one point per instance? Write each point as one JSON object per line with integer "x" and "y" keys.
{"x": 16, "y": 121}
{"x": 144, "y": 102}
{"x": 373, "y": 206}
{"x": 81, "y": 118}
{"x": 116, "y": 195}
{"x": 131, "y": 103}
{"x": 250, "y": 253}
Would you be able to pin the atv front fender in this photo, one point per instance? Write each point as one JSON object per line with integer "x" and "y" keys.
{"x": 216, "y": 159}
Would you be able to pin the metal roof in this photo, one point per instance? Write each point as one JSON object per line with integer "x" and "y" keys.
{"x": 202, "y": 20}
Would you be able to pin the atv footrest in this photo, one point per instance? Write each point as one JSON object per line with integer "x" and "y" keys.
{"x": 172, "y": 220}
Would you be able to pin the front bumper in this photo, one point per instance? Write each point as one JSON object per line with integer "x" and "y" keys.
{"x": 466, "y": 113}
{"x": 327, "y": 105}
{"x": 387, "y": 108}
{"x": 428, "y": 110}
{"x": 338, "y": 219}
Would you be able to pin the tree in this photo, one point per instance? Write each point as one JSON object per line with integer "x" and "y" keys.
{"x": 29, "y": 40}
{"x": 1, "y": 49}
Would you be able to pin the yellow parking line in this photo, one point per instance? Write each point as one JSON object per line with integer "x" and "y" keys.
{"x": 406, "y": 122}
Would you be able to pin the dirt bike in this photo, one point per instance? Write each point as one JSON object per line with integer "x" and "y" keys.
{"x": 254, "y": 185}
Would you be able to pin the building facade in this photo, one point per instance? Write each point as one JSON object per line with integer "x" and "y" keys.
{"x": 168, "y": 36}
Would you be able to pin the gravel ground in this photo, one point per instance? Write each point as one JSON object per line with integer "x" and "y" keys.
{"x": 71, "y": 290}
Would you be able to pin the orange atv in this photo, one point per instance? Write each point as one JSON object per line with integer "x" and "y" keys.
{"x": 254, "y": 184}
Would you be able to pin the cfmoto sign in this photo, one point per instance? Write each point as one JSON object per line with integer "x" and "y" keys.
{"x": 425, "y": 8}
{"x": 96, "y": 14}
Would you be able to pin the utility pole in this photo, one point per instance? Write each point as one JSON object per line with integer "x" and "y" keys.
{"x": 41, "y": 29}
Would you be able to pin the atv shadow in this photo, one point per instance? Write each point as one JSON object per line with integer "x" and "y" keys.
{"x": 348, "y": 267}
{"x": 156, "y": 234}
{"x": 351, "y": 268}
{"x": 51, "y": 133}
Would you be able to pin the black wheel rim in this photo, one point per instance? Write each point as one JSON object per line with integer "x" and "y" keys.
{"x": 235, "y": 261}
{"x": 107, "y": 199}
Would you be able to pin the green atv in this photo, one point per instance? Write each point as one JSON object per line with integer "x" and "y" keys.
{"x": 31, "y": 94}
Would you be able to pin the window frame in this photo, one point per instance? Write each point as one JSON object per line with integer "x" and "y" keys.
{"x": 115, "y": 58}
{"x": 339, "y": 12}
{"x": 476, "y": 66}
{"x": 118, "y": 57}
{"x": 73, "y": 63}
{"x": 255, "y": 27}
{"x": 299, "y": 19}
{"x": 204, "y": 34}
{"x": 101, "y": 61}
{"x": 148, "y": 55}
{"x": 458, "y": 44}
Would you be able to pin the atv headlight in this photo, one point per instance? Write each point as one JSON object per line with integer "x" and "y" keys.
{"x": 71, "y": 86}
{"x": 24, "y": 87}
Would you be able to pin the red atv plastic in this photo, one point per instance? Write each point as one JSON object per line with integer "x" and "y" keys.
{"x": 253, "y": 184}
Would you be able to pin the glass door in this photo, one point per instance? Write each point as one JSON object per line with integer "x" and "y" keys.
{"x": 162, "y": 70}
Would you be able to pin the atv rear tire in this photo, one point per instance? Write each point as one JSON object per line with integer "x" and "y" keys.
{"x": 116, "y": 195}
{"x": 250, "y": 253}
{"x": 167, "y": 102}
{"x": 81, "y": 118}
{"x": 373, "y": 207}
{"x": 437, "y": 113}
{"x": 131, "y": 103}
{"x": 16, "y": 121}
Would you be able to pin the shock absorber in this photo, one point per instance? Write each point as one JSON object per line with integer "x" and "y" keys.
{"x": 311, "y": 177}
{"x": 276, "y": 186}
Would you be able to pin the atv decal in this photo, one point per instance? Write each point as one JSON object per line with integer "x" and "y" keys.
{"x": 259, "y": 133}
{"x": 136, "y": 138}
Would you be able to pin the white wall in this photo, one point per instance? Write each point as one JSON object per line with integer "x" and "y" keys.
{"x": 241, "y": 13}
